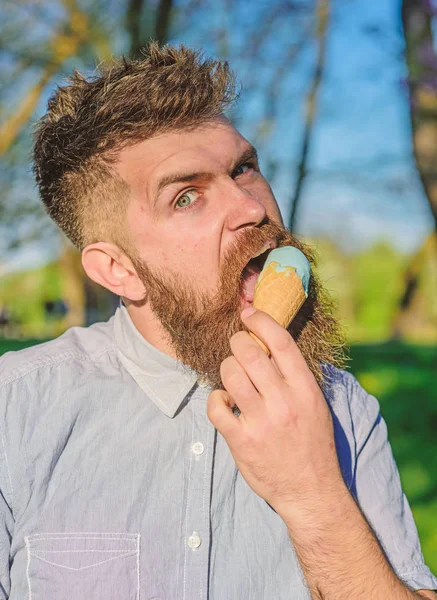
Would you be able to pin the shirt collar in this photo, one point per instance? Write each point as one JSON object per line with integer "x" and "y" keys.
{"x": 164, "y": 379}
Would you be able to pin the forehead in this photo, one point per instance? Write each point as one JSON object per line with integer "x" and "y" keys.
{"x": 210, "y": 147}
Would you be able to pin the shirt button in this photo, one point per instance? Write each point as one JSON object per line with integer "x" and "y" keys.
{"x": 198, "y": 448}
{"x": 194, "y": 541}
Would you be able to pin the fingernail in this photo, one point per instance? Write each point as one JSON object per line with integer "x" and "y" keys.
{"x": 247, "y": 312}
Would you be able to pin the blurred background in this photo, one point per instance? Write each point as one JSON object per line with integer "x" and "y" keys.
{"x": 340, "y": 98}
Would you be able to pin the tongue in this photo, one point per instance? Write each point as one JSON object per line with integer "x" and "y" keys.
{"x": 248, "y": 286}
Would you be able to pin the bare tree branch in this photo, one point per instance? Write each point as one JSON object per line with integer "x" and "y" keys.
{"x": 63, "y": 45}
{"x": 133, "y": 26}
{"x": 311, "y": 105}
{"x": 412, "y": 277}
{"x": 273, "y": 94}
{"x": 10, "y": 130}
{"x": 421, "y": 61}
{"x": 163, "y": 20}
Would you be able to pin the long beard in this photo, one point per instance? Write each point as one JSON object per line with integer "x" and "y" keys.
{"x": 199, "y": 325}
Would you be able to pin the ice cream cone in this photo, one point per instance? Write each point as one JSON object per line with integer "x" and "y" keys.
{"x": 280, "y": 294}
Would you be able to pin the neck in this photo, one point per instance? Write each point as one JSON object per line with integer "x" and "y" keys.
{"x": 149, "y": 326}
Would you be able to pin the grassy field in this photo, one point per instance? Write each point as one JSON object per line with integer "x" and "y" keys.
{"x": 404, "y": 379}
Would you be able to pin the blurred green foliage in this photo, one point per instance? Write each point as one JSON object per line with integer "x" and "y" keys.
{"x": 368, "y": 286}
{"x": 24, "y": 293}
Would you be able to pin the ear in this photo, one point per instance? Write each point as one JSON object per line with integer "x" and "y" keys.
{"x": 108, "y": 266}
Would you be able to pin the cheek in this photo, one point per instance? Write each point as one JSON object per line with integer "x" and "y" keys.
{"x": 193, "y": 257}
{"x": 197, "y": 262}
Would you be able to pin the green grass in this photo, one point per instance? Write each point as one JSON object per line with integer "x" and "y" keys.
{"x": 404, "y": 379}
{"x": 8, "y": 345}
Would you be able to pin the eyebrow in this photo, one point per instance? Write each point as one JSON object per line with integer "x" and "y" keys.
{"x": 166, "y": 180}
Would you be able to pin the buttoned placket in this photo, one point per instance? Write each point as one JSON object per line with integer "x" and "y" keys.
{"x": 197, "y": 513}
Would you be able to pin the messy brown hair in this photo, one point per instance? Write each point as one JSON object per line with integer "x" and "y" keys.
{"x": 90, "y": 120}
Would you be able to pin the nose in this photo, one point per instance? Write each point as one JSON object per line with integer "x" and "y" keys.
{"x": 243, "y": 208}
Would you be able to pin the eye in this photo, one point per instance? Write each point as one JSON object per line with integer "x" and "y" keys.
{"x": 187, "y": 199}
{"x": 243, "y": 169}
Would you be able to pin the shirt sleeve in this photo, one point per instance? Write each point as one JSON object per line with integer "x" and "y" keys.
{"x": 6, "y": 523}
{"x": 380, "y": 495}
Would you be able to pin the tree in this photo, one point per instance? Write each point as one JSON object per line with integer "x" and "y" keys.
{"x": 421, "y": 58}
{"x": 63, "y": 34}
{"x": 421, "y": 61}
{"x": 322, "y": 19}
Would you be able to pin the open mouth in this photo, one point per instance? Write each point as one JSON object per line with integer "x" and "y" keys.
{"x": 251, "y": 272}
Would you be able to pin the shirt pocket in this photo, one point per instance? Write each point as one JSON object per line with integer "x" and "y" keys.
{"x": 75, "y": 566}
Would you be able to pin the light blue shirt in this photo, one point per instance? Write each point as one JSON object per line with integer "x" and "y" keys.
{"x": 114, "y": 485}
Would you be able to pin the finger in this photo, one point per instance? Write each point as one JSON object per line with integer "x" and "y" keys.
{"x": 284, "y": 350}
{"x": 240, "y": 387}
{"x": 256, "y": 366}
{"x": 220, "y": 414}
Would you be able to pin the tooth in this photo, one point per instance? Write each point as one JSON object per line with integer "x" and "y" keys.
{"x": 263, "y": 249}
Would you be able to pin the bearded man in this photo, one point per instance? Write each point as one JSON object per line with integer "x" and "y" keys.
{"x": 125, "y": 471}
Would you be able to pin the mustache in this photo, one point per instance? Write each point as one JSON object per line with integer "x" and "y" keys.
{"x": 199, "y": 324}
{"x": 249, "y": 241}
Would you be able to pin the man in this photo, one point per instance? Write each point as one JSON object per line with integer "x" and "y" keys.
{"x": 126, "y": 472}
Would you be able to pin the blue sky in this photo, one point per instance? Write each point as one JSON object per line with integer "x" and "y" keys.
{"x": 364, "y": 131}
{"x": 362, "y": 185}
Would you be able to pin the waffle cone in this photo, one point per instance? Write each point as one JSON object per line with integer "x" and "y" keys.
{"x": 279, "y": 294}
